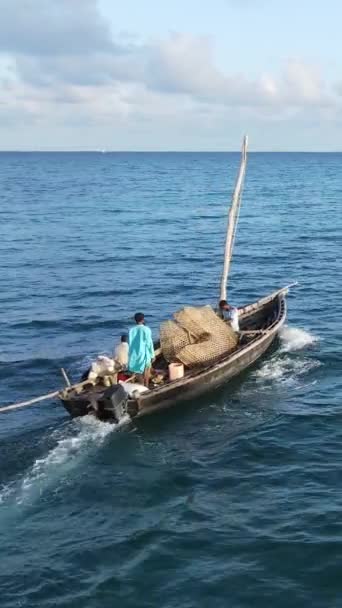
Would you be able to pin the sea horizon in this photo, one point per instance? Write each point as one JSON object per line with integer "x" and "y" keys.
{"x": 105, "y": 151}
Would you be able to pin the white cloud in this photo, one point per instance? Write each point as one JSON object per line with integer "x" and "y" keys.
{"x": 61, "y": 65}
{"x": 304, "y": 82}
{"x": 49, "y": 27}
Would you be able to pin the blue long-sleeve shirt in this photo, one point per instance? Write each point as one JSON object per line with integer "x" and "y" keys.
{"x": 141, "y": 351}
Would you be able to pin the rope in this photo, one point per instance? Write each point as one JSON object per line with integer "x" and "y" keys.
{"x": 16, "y": 406}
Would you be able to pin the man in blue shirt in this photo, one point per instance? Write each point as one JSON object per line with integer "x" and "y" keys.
{"x": 141, "y": 351}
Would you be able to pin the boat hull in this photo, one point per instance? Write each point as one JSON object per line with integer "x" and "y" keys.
{"x": 213, "y": 378}
{"x": 264, "y": 318}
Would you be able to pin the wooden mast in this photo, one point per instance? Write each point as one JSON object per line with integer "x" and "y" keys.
{"x": 232, "y": 220}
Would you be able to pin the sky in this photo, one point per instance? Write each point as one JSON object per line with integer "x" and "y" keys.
{"x": 170, "y": 74}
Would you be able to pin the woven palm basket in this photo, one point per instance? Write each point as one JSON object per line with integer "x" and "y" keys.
{"x": 197, "y": 338}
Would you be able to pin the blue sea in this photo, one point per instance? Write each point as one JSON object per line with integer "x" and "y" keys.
{"x": 233, "y": 501}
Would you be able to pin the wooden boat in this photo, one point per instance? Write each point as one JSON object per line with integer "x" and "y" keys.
{"x": 259, "y": 322}
{"x": 259, "y": 325}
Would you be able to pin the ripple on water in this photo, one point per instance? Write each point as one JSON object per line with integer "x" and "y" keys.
{"x": 234, "y": 500}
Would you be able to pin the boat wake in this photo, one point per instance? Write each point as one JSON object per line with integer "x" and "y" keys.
{"x": 288, "y": 365}
{"x": 72, "y": 444}
{"x": 286, "y": 369}
{"x": 294, "y": 338}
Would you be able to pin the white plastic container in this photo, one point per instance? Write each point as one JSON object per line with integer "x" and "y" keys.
{"x": 176, "y": 371}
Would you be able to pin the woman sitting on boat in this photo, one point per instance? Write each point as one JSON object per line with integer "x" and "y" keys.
{"x": 121, "y": 352}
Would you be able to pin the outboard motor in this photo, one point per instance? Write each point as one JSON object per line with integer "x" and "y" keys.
{"x": 113, "y": 403}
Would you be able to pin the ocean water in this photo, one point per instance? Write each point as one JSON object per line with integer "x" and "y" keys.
{"x": 231, "y": 501}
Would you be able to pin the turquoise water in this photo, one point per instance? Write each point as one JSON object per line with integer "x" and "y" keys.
{"x": 232, "y": 501}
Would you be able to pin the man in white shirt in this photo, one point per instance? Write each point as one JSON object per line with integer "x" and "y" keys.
{"x": 226, "y": 311}
{"x": 121, "y": 352}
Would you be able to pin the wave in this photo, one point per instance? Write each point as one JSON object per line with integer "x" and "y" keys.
{"x": 285, "y": 367}
{"x": 72, "y": 323}
{"x": 87, "y": 433}
{"x": 295, "y": 338}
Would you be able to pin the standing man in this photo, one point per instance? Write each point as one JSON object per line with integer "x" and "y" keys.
{"x": 141, "y": 351}
{"x": 226, "y": 311}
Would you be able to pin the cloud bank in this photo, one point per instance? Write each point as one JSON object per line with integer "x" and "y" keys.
{"x": 64, "y": 73}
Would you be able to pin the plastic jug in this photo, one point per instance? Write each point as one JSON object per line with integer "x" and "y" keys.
{"x": 176, "y": 371}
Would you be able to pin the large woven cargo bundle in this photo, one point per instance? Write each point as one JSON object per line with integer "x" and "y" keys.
{"x": 198, "y": 337}
{"x": 173, "y": 338}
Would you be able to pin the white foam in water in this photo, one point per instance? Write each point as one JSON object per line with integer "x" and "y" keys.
{"x": 287, "y": 369}
{"x": 294, "y": 338}
{"x": 5, "y": 492}
{"x": 90, "y": 433}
